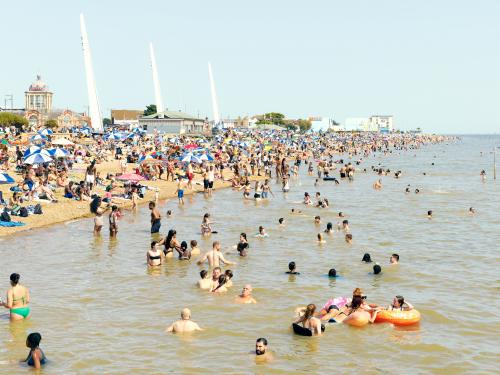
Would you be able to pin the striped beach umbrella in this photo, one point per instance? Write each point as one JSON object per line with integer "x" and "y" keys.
{"x": 37, "y": 158}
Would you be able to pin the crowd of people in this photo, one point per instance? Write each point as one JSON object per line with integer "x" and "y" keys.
{"x": 247, "y": 161}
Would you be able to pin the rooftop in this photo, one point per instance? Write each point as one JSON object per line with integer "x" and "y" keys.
{"x": 172, "y": 115}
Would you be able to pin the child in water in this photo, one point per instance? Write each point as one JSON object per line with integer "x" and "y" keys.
{"x": 36, "y": 357}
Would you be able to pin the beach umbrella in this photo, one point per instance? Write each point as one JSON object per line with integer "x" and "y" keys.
{"x": 46, "y": 132}
{"x": 191, "y": 146}
{"x": 6, "y": 179}
{"x": 62, "y": 142}
{"x": 114, "y": 137}
{"x": 58, "y": 152}
{"x": 133, "y": 177}
{"x": 206, "y": 157}
{"x": 38, "y": 138}
{"x": 37, "y": 158}
{"x": 31, "y": 150}
{"x": 190, "y": 157}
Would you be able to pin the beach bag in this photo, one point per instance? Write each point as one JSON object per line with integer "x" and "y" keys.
{"x": 4, "y": 216}
{"x": 23, "y": 212}
{"x": 38, "y": 209}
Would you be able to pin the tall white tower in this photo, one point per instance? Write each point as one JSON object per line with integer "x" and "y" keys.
{"x": 95, "y": 112}
{"x": 215, "y": 107}
{"x": 156, "y": 81}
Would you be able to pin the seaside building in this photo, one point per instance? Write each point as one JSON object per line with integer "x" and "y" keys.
{"x": 381, "y": 123}
{"x": 323, "y": 124}
{"x": 171, "y": 122}
{"x": 123, "y": 117}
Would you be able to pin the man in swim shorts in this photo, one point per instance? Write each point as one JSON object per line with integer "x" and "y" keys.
{"x": 155, "y": 218}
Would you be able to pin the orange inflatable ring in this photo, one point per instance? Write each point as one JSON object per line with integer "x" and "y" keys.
{"x": 398, "y": 317}
{"x": 357, "y": 319}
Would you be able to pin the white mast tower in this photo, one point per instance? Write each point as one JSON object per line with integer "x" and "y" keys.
{"x": 95, "y": 113}
{"x": 215, "y": 107}
{"x": 156, "y": 81}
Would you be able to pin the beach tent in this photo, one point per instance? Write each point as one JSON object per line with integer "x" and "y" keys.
{"x": 6, "y": 179}
{"x": 37, "y": 158}
{"x": 62, "y": 142}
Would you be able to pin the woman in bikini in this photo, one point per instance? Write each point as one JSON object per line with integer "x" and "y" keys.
{"x": 206, "y": 229}
{"x": 18, "y": 299}
{"x": 309, "y": 322}
{"x": 154, "y": 256}
{"x": 170, "y": 243}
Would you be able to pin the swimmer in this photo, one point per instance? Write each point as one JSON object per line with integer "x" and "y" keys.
{"x": 399, "y": 303}
{"x": 407, "y": 190}
{"x": 154, "y": 256}
{"x": 332, "y": 272}
{"x": 229, "y": 278}
{"x": 348, "y": 238}
{"x": 262, "y": 232}
{"x": 320, "y": 239}
{"x": 184, "y": 252}
{"x": 36, "y": 357}
{"x": 292, "y": 269}
{"x": 472, "y": 211}
{"x": 394, "y": 259}
{"x": 366, "y": 258}
{"x": 242, "y": 249}
{"x": 377, "y": 269}
{"x": 307, "y": 199}
{"x": 377, "y": 185}
{"x": 195, "y": 250}
{"x": 295, "y": 212}
{"x": 169, "y": 214}
{"x": 261, "y": 352}
{"x": 281, "y": 222}
{"x": 345, "y": 226}
{"x": 205, "y": 283}
{"x": 214, "y": 256}
{"x": 340, "y": 214}
{"x": 317, "y": 220}
{"x": 184, "y": 325}
{"x": 417, "y": 191}
{"x": 310, "y": 322}
{"x": 220, "y": 287}
{"x": 245, "y": 296}
{"x": 206, "y": 229}
{"x": 216, "y": 272}
{"x": 483, "y": 175}
{"x": 329, "y": 228}
{"x": 429, "y": 214}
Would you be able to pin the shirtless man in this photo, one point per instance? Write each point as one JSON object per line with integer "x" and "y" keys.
{"x": 185, "y": 324}
{"x": 214, "y": 256}
{"x": 205, "y": 283}
{"x": 261, "y": 352}
{"x": 246, "y": 295}
{"x": 155, "y": 218}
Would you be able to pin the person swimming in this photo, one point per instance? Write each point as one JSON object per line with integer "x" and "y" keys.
{"x": 292, "y": 269}
{"x": 394, "y": 259}
{"x": 329, "y": 228}
{"x": 332, "y": 272}
{"x": 320, "y": 239}
{"x": 377, "y": 269}
{"x": 367, "y": 258}
{"x": 36, "y": 357}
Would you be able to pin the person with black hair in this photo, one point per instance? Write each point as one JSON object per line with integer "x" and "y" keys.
{"x": 36, "y": 357}
{"x": 205, "y": 282}
{"x": 18, "y": 299}
{"x": 377, "y": 269}
{"x": 399, "y": 303}
{"x": 261, "y": 352}
{"x": 332, "y": 272}
{"x": 292, "y": 269}
{"x": 394, "y": 259}
{"x": 113, "y": 225}
{"x": 366, "y": 258}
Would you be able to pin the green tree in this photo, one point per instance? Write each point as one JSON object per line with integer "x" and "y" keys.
{"x": 272, "y": 118}
{"x": 304, "y": 125}
{"x": 51, "y": 124}
{"x": 106, "y": 121}
{"x": 11, "y": 119}
{"x": 150, "y": 110}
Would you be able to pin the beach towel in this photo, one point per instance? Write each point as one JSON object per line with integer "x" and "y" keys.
{"x": 11, "y": 224}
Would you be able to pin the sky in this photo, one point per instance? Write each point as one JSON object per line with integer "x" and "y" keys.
{"x": 433, "y": 64}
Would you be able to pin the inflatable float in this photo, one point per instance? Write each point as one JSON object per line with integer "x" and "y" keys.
{"x": 398, "y": 317}
{"x": 357, "y": 319}
{"x": 301, "y": 331}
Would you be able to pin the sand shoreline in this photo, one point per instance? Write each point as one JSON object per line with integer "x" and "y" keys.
{"x": 67, "y": 210}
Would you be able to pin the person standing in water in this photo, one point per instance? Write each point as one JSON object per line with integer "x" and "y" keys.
{"x": 113, "y": 225}
{"x": 214, "y": 256}
{"x": 184, "y": 325}
{"x": 246, "y": 295}
{"x": 18, "y": 299}
{"x": 95, "y": 208}
{"x": 155, "y": 218}
{"x": 261, "y": 352}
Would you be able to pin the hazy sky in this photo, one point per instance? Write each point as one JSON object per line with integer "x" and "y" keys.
{"x": 430, "y": 63}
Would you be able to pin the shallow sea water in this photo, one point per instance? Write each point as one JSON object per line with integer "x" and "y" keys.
{"x": 100, "y": 311}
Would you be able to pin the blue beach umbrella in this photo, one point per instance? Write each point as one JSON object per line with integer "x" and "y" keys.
{"x": 38, "y": 138}
{"x": 58, "y": 152}
{"x": 206, "y": 157}
{"x": 6, "y": 179}
{"x": 37, "y": 158}
{"x": 31, "y": 150}
{"x": 46, "y": 132}
{"x": 190, "y": 157}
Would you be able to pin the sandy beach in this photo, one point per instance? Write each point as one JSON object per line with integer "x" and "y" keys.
{"x": 69, "y": 209}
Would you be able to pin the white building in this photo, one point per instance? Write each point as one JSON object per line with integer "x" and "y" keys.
{"x": 323, "y": 124}
{"x": 381, "y": 123}
{"x": 171, "y": 122}
{"x": 356, "y": 123}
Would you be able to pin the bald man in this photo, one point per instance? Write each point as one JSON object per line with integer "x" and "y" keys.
{"x": 185, "y": 324}
{"x": 245, "y": 296}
